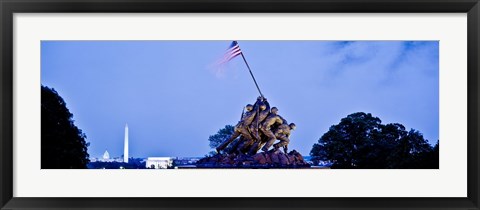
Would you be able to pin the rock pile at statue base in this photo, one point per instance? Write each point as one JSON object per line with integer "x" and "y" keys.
{"x": 271, "y": 159}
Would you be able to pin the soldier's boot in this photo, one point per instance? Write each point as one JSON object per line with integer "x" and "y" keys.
{"x": 264, "y": 149}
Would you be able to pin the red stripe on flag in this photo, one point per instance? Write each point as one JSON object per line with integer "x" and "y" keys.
{"x": 234, "y": 54}
{"x": 231, "y": 53}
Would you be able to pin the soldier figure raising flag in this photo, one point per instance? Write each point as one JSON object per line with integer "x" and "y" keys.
{"x": 254, "y": 119}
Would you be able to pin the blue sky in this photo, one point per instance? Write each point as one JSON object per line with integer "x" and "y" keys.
{"x": 173, "y": 96}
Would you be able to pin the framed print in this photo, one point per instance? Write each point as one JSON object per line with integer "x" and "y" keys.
{"x": 239, "y": 105}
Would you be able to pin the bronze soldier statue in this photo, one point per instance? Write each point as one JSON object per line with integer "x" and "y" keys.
{"x": 259, "y": 119}
{"x": 282, "y": 133}
{"x": 266, "y": 127}
{"x": 264, "y": 110}
{"x": 242, "y": 127}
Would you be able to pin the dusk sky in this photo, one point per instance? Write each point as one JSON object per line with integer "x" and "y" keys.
{"x": 173, "y": 96}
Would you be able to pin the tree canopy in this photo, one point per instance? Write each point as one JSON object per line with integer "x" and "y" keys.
{"x": 222, "y": 135}
{"x": 361, "y": 141}
{"x": 63, "y": 144}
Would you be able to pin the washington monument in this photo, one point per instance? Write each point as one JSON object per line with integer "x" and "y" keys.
{"x": 125, "y": 149}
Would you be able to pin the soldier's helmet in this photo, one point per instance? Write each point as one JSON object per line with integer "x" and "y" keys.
{"x": 292, "y": 126}
{"x": 274, "y": 110}
{"x": 262, "y": 106}
{"x": 249, "y": 107}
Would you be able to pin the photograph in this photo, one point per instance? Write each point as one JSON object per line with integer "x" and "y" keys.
{"x": 250, "y": 105}
{"x": 239, "y": 104}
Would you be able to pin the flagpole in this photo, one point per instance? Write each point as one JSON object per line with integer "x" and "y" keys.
{"x": 249, "y": 70}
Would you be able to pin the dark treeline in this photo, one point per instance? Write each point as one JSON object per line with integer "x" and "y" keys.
{"x": 133, "y": 163}
{"x": 63, "y": 144}
{"x": 361, "y": 141}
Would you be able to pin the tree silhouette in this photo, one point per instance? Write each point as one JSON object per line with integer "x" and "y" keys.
{"x": 361, "y": 141}
{"x": 222, "y": 135}
{"x": 63, "y": 145}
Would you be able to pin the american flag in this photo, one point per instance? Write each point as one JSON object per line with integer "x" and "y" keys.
{"x": 232, "y": 52}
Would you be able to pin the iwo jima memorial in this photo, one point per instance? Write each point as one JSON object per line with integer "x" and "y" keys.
{"x": 260, "y": 128}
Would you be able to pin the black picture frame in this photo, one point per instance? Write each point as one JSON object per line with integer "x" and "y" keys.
{"x": 9, "y": 7}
